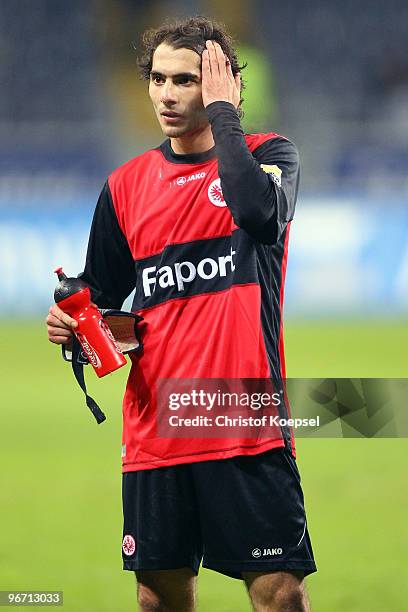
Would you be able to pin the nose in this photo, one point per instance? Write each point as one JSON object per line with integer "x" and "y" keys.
{"x": 168, "y": 93}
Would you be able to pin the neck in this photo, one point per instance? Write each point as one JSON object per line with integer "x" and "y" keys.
{"x": 198, "y": 141}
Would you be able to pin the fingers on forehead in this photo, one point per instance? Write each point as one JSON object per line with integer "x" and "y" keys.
{"x": 229, "y": 72}
{"x": 213, "y": 45}
{"x": 217, "y": 48}
{"x": 210, "y": 48}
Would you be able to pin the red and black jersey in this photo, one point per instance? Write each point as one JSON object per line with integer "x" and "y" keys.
{"x": 203, "y": 239}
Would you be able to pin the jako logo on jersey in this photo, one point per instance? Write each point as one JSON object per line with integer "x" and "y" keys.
{"x": 128, "y": 545}
{"x": 182, "y": 180}
{"x": 215, "y": 193}
{"x": 185, "y": 272}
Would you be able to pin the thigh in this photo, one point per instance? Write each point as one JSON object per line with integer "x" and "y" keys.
{"x": 277, "y": 591}
{"x": 161, "y": 530}
{"x": 172, "y": 590}
{"x": 253, "y": 516}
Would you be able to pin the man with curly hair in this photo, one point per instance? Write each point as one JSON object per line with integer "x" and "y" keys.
{"x": 199, "y": 226}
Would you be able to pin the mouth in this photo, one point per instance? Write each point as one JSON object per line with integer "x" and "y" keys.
{"x": 171, "y": 116}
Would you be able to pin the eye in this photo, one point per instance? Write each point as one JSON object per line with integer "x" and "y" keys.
{"x": 157, "y": 79}
{"x": 184, "y": 81}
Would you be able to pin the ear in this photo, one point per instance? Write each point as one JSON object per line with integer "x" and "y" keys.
{"x": 237, "y": 80}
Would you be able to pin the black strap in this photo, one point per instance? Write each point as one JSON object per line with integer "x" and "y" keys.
{"x": 78, "y": 369}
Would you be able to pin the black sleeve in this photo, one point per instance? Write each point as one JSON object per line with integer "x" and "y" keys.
{"x": 261, "y": 199}
{"x": 109, "y": 268}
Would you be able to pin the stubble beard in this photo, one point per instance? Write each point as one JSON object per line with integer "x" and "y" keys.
{"x": 196, "y": 124}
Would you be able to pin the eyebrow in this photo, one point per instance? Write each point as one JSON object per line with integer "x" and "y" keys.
{"x": 184, "y": 75}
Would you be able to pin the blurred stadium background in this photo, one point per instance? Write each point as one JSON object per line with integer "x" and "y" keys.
{"x": 333, "y": 77}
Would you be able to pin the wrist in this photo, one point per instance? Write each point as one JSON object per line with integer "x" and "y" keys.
{"x": 221, "y": 108}
{"x": 207, "y": 104}
{"x": 220, "y": 104}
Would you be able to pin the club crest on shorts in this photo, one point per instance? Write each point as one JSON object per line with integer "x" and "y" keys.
{"x": 128, "y": 545}
{"x": 215, "y": 193}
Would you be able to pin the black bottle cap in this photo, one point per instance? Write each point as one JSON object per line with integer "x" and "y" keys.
{"x": 67, "y": 286}
{"x": 61, "y": 274}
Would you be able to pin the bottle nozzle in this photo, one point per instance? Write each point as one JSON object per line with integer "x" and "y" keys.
{"x": 61, "y": 274}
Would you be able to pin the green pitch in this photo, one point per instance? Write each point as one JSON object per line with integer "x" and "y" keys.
{"x": 60, "y": 480}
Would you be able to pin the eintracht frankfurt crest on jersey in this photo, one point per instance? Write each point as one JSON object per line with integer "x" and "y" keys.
{"x": 215, "y": 193}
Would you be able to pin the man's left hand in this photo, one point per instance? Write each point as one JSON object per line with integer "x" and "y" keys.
{"x": 218, "y": 82}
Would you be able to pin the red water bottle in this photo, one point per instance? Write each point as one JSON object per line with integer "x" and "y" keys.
{"x": 97, "y": 341}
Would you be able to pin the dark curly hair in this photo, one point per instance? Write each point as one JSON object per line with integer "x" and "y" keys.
{"x": 191, "y": 33}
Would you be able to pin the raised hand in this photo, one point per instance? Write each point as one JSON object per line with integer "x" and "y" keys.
{"x": 218, "y": 82}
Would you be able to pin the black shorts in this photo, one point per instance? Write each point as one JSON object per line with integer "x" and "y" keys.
{"x": 237, "y": 515}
